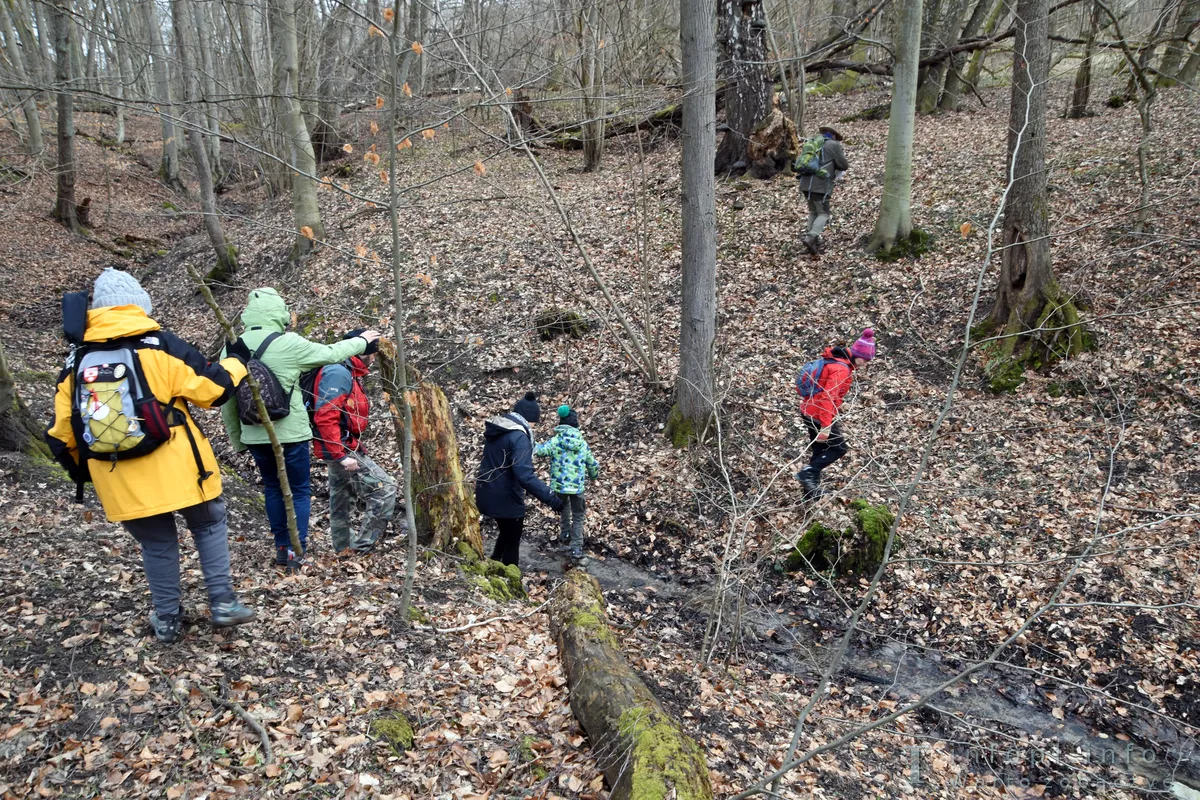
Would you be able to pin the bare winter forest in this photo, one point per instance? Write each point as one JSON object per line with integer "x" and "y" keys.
{"x": 620, "y": 206}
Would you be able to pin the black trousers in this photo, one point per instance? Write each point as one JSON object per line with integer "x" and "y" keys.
{"x": 508, "y": 542}
{"x": 826, "y": 452}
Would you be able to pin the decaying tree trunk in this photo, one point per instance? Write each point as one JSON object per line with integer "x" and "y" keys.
{"x": 65, "y": 208}
{"x": 641, "y": 749}
{"x": 772, "y": 145}
{"x": 443, "y": 503}
{"x": 19, "y": 431}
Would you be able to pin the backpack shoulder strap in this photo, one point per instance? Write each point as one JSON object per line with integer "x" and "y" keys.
{"x": 262, "y": 348}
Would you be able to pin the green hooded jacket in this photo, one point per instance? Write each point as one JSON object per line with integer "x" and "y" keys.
{"x": 571, "y": 460}
{"x": 288, "y": 356}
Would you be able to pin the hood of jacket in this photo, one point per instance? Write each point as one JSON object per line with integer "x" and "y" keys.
{"x": 357, "y": 367}
{"x": 504, "y": 424}
{"x": 266, "y": 309}
{"x": 840, "y": 354}
{"x": 569, "y": 438}
{"x": 116, "y": 322}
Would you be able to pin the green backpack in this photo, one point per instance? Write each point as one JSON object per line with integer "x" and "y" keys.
{"x": 808, "y": 163}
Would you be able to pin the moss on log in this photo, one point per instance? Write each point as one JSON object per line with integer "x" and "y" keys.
{"x": 643, "y": 751}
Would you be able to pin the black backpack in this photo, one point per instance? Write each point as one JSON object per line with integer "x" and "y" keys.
{"x": 308, "y": 391}
{"x": 277, "y": 401}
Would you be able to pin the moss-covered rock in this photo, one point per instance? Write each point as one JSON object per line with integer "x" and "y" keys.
{"x": 856, "y": 550}
{"x": 396, "y": 730}
{"x": 555, "y": 322}
{"x": 662, "y": 758}
{"x": 501, "y": 582}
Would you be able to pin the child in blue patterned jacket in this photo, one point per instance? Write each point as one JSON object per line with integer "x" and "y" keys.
{"x": 571, "y": 464}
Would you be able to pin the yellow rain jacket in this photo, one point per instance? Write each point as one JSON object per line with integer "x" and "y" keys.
{"x": 168, "y": 478}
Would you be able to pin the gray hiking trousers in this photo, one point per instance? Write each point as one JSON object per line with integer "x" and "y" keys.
{"x": 571, "y": 519}
{"x": 160, "y": 553}
{"x": 818, "y": 213}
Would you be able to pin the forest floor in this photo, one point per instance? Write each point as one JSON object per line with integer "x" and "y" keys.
{"x": 1086, "y": 476}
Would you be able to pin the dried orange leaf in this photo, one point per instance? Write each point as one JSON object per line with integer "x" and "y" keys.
{"x": 965, "y": 229}
{"x": 347, "y": 147}
{"x": 306, "y": 232}
{"x": 417, "y": 48}
{"x": 389, "y": 14}
{"x": 373, "y": 31}
{"x": 406, "y": 89}
{"x": 479, "y": 168}
{"x": 428, "y": 133}
{"x": 361, "y": 250}
{"x": 383, "y": 176}
{"x": 407, "y": 143}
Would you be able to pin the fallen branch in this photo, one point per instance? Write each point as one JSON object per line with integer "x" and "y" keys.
{"x": 247, "y": 717}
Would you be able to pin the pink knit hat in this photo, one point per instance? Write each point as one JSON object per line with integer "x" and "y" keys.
{"x": 864, "y": 348}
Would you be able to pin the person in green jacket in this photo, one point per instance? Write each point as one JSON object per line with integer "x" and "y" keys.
{"x": 287, "y": 356}
{"x": 571, "y": 464}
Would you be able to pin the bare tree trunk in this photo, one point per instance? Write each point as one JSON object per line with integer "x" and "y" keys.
{"x": 939, "y": 27}
{"x": 28, "y": 98}
{"x": 32, "y": 14}
{"x": 1040, "y": 324}
{"x": 1187, "y": 75}
{"x": 169, "y": 170}
{"x": 694, "y": 407}
{"x": 1082, "y": 90}
{"x": 398, "y": 322}
{"x": 1187, "y": 20}
{"x": 895, "y": 208}
{"x": 742, "y": 36}
{"x": 207, "y": 84}
{"x": 19, "y": 431}
{"x": 952, "y": 90}
{"x": 64, "y": 197}
{"x": 591, "y": 85}
{"x": 226, "y": 254}
{"x": 977, "y": 58}
{"x": 305, "y": 213}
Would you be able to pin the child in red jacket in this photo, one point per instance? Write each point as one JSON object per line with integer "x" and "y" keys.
{"x": 821, "y": 409}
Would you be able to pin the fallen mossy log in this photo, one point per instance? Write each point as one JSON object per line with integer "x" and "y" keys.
{"x": 641, "y": 749}
{"x": 568, "y": 138}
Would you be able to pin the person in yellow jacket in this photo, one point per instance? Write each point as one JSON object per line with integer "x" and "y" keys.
{"x": 121, "y": 420}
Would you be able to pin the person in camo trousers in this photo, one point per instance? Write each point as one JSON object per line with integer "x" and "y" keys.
{"x": 571, "y": 464}
{"x": 817, "y": 189}
{"x": 341, "y": 411}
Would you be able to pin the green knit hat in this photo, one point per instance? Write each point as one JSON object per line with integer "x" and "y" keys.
{"x": 564, "y": 411}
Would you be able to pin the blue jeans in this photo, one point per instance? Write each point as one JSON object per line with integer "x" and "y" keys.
{"x": 297, "y": 457}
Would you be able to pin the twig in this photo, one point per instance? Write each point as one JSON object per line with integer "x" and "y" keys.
{"x": 247, "y": 717}
{"x": 471, "y": 625}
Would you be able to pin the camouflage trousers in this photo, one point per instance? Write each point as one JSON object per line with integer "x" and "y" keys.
{"x": 368, "y": 485}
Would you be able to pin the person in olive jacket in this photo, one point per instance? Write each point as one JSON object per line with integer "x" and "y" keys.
{"x": 287, "y": 356}
{"x": 817, "y": 187}
{"x": 506, "y": 473}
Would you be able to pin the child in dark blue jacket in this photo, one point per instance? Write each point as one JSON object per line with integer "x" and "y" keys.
{"x": 506, "y": 473}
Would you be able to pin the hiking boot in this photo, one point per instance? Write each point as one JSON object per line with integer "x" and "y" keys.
{"x": 281, "y": 554}
{"x": 167, "y": 629}
{"x": 810, "y": 244}
{"x": 810, "y": 481}
{"x": 564, "y": 539}
{"x": 230, "y": 613}
{"x": 577, "y": 553}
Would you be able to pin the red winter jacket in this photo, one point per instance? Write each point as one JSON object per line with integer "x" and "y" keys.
{"x": 835, "y": 380}
{"x": 342, "y": 409}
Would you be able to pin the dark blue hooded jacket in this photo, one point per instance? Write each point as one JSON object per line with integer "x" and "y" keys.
{"x": 506, "y": 469}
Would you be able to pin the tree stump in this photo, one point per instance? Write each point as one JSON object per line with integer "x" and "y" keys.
{"x": 641, "y": 749}
{"x": 857, "y": 550}
{"x": 443, "y": 499}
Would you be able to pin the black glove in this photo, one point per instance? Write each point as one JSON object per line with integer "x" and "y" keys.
{"x": 556, "y": 503}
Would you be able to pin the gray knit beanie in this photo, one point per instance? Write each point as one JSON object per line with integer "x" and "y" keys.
{"x": 116, "y": 288}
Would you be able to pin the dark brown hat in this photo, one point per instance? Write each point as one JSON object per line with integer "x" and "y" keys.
{"x": 830, "y": 131}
